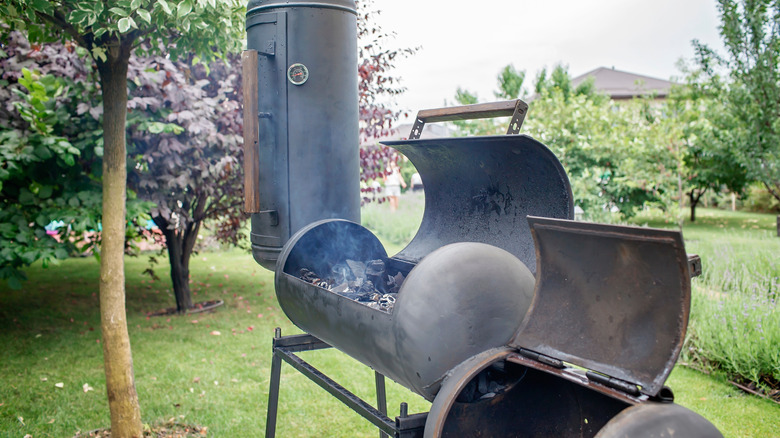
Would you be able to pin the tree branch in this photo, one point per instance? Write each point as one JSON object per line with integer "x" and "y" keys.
{"x": 58, "y": 20}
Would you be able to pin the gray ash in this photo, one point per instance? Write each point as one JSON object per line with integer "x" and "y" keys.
{"x": 369, "y": 283}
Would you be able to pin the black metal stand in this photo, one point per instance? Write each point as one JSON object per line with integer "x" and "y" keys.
{"x": 284, "y": 348}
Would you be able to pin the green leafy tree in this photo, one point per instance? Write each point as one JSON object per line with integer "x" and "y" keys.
{"x": 750, "y": 30}
{"x": 614, "y": 156}
{"x": 50, "y": 157}
{"x": 708, "y": 162}
{"x": 111, "y": 31}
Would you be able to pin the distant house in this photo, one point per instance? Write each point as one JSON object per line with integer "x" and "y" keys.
{"x": 621, "y": 85}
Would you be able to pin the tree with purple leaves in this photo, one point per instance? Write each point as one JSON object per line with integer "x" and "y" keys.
{"x": 185, "y": 137}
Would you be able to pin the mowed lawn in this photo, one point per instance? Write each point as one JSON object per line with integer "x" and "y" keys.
{"x": 212, "y": 369}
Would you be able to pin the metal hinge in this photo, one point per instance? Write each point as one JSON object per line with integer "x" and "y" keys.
{"x": 614, "y": 383}
{"x": 541, "y": 358}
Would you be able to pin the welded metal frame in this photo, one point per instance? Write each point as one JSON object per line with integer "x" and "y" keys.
{"x": 285, "y": 349}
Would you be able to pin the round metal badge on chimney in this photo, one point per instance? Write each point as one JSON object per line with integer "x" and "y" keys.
{"x": 298, "y": 74}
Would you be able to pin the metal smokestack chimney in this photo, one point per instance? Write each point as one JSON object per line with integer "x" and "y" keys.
{"x": 300, "y": 118}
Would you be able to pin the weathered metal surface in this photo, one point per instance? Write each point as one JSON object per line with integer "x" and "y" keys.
{"x": 532, "y": 404}
{"x": 481, "y": 189}
{"x": 653, "y": 420}
{"x": 611, "y": 299}
{"x": 460, "y": 300}
{"x": 308, "y": 143}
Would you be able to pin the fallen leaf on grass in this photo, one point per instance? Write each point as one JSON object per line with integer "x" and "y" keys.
{"x": 216, "y": 333}
{"x": 51, "y": 421}
{"x": 21, "y": 420}
{"x": 87, "y": 388}
{"x": 59, "y": 385}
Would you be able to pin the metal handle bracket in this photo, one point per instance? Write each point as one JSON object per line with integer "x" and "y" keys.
{"x": 515, "y": 108}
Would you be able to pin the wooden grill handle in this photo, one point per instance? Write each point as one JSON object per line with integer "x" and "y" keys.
{"x": 251, "y": 133}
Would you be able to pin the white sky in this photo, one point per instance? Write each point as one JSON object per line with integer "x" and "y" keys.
{"x": 467, "y": 43}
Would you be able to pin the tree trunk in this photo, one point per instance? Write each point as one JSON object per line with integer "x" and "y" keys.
{"x": 694, "y": 197}
{"x": 180, "y": 244}
{"x": 117, "y": 357}
{"x": 180, "y": 271}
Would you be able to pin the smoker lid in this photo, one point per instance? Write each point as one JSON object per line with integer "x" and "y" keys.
{"x": 480, "y": 189}
{"x": 612, "y": 299}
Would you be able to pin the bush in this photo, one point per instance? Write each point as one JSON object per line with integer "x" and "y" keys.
{"x": 759, "y": 199}
{"x": 735, "y": 320}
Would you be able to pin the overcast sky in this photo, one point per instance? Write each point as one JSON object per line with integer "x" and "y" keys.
{"x": 467, "y": 45}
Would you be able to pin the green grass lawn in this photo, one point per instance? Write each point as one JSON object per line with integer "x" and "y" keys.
{"x": 50, "y": 334}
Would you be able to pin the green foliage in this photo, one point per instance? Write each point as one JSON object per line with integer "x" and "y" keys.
{"x": 751, "y": 124}
{"x": 614, "y": 155}
{"x": 50, "y": 150}
{"x": 623, "y": 156}
{"x": 759, "y": 199}
{"x": 186, "y": 27}
{"x": 706, "y": 155}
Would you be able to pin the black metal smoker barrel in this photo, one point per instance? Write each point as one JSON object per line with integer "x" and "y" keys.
{"x": 305, "y": 132}
{"x": 468, "y": 270}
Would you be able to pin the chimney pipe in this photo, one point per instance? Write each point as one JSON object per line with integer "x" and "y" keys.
{"x": 302, "y": 152}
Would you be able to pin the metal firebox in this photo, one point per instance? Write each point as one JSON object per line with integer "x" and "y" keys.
{"x": 512, "y": 319}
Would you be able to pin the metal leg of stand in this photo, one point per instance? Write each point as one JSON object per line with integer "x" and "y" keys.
{"x": 273, "y": 392}
{"x": 381, "y": 398}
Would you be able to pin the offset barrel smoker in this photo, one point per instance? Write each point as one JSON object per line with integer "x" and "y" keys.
{"x": 509, "y": 317}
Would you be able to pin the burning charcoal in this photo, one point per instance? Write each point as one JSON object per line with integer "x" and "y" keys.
{"x": 358, "y": 268}
{"x": 386, "y": 302}
{"x": 394, "y": 282}
{"x": 375, "y": 272}
{"x": 308, "y": 275}
{"x": 367, "y": 288}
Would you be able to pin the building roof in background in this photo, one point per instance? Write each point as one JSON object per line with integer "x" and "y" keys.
{"x": 623, "y": 85}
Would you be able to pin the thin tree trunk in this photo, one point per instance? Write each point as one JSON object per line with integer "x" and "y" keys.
{"x": 694, "y": 200}
{"x": 117, "y": 357}
{"x": 695, "y": 197}
{"x": 180, "y": 271}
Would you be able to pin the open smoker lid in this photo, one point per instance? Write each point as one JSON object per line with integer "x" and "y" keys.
{"x": 480, "y": 189}
{"x": 611, "y": 299}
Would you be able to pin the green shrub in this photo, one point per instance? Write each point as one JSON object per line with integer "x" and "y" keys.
{"x": 759, "y": 199}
